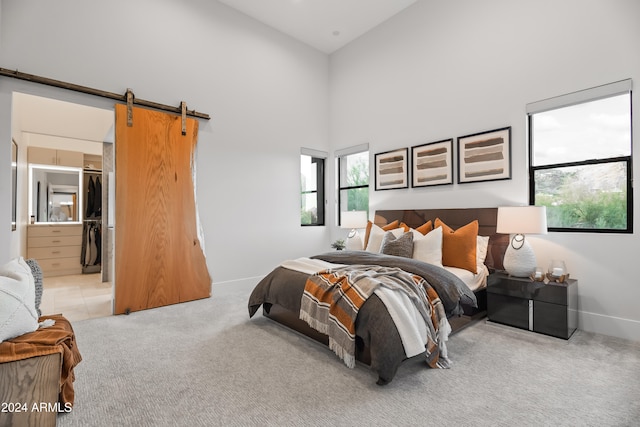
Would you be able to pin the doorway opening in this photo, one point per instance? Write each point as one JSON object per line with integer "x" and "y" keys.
{"x": 65, "y": 153}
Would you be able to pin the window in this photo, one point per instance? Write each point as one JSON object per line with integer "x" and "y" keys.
{"x": 580, "y": 159}
{"x": 353, "y": 179}
{"x": 312, "y": 187}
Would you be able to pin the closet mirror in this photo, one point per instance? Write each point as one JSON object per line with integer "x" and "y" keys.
{"x": 54, "y": 194}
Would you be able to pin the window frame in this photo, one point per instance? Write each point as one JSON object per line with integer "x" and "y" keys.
{"x": 339, "y": 156}
{"x": 575, "y": 98}
{"x": 320, "y": 159}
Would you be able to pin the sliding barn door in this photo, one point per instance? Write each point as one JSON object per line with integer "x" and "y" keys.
{"x": 159, "y": 260}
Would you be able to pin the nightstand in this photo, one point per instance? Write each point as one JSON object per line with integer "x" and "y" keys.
{"x": 547, "y": 308}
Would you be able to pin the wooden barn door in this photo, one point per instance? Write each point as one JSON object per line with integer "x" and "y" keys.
{"x": 158, "y": 257}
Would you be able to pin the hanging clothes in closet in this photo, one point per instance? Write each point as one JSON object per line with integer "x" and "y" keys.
{"x": 94, "y": 198}
{"x": 91, "y": 254}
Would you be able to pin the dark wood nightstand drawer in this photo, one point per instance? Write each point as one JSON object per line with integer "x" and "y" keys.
{"x": 508, "y": 310}
{"x": 551, "y": 319}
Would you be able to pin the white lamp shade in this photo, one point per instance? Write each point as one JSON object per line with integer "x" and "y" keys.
{"x": 353, "y": 219}
{"x": 522, "y": 220}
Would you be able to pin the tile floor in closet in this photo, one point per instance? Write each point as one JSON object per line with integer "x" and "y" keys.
{"x": 77, "y": 297}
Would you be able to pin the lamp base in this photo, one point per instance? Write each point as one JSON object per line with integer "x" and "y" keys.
{"x": 354, "y": 241}
{"x": 521, "y": 261}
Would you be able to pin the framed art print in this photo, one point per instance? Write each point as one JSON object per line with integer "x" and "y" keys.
{"x": 391, "y": 170}
{"x": 432, "y": 164}
{"x": 485, "y": 156}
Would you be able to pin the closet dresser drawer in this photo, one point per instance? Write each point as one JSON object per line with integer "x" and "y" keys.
{"x": 53, "y": 242}
{"x": 56, "y": 247}
{"x": 46, "y": 230}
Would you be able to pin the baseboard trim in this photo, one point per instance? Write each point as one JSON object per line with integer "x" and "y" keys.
{"x": 609, "y": 325}
{"x": 242, "y": 281}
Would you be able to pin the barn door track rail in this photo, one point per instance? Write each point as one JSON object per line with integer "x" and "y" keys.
{"x": 126, "y": 98}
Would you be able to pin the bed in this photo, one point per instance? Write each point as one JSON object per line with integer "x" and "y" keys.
{"x": 461, "y": 294}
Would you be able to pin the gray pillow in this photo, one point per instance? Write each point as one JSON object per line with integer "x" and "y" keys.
{"x": 401, "y": 246}
{"x": 37, "y": 279}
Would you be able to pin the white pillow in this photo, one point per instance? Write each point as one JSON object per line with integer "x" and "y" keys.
{"x": 481, "y": 249}
{"x": 17, "y": 300}
{"x": 377, "y": 234}
{"x": 428, "y": 248}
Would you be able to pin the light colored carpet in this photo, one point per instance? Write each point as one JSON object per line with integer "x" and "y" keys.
{"x": 205, "y": 363}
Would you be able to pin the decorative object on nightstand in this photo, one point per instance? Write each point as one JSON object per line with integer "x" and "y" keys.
{"x": 354, "y": 220}
{"x": 519, "y": 258}
{"x": 557, "y": 271}
{"x": 537, "y": 275}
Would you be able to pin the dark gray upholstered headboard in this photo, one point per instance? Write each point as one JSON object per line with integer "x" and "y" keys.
{"x": 455, "y": 218}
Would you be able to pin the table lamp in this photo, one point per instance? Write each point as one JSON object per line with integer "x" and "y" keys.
{"x": 354, "y": 220}
{"x": 519, "y": 259}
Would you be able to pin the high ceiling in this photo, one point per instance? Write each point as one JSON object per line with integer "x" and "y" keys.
{"x": 326, "y": 25}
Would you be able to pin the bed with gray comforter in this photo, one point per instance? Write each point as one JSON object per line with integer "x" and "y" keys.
{"x": 377, "y": 339}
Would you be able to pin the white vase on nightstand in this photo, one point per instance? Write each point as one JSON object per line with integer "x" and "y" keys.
{"x": 519, "y": 261}
{"x": 354, "y": 242}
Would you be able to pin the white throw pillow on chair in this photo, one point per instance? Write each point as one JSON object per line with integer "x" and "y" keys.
{"x": 18, "y": 314}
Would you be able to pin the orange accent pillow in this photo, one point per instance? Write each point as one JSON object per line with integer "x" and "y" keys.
{"x": 391, "y": 226}
{"x": 459, "y": 246}
{"x": 425, "y": 228}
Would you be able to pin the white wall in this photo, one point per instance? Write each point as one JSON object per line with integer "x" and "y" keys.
{"x": 445, "y": 69}
{"x": 266, "y": 93}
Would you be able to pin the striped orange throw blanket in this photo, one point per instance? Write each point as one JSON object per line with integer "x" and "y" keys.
{"x": 332, "y": 299}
